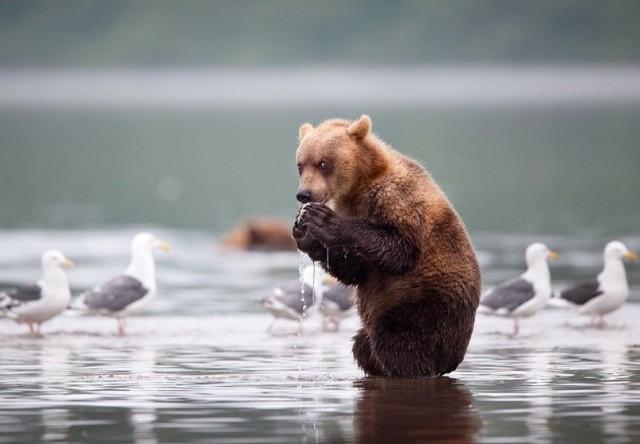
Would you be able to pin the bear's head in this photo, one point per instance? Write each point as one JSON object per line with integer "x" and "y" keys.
{"x": 336, "y": 159}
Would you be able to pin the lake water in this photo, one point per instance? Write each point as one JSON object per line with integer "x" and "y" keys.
{"x": 199, "y": 366}
{"x": 526, "y": 150}
{"x": 88, "y": 159}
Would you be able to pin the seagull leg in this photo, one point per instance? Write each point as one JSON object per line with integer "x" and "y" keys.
{"x": 121, "y": 326}
{"x": 270, "y": 327}
{"x": 516, "y": 327}
{"x": 31, "y": 329}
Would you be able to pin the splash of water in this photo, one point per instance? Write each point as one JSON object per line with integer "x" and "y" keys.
{"x": 302, "y": 290}
{"x": 301, "y": 278}
{"x": 328, "y": 266}
{"x": 301, "y": 271}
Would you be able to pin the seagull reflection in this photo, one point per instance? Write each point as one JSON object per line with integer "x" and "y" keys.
{"x": 618, "y": 395}
{"x": 55, "y": 371}
{"x": 537, "y": 393}
{"x": 120, "y": 385}
{"x": 415, "y": 411}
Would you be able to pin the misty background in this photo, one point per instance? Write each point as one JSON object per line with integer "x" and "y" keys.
{"x": 184, "y": 114}
{"x": 181, "y": 118}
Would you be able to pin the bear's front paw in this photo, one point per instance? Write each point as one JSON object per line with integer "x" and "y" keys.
{"x": 299, "y": 226}
{"x": 305, "y": 241}
{"x": 309, "y": 245}
{"x": 323, "y": 224}
{"x": 301, "y": 212}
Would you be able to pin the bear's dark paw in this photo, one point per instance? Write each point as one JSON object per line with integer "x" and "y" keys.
{"x": 299, "y": 223}
{"x": 298, "y": 232}
{"x": 323, "y": 224}
{"x": 306, "y": 243}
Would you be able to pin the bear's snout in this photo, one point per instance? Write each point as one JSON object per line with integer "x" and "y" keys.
{"x": 303, "y": 195}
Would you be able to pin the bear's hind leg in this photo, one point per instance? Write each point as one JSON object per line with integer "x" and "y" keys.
{"x": 364, "y": 356}
{"x": 402, "y": 358}
{"x": 405, "y": 341}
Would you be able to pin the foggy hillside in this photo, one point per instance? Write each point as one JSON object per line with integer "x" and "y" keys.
{"x": 121, "y": 33}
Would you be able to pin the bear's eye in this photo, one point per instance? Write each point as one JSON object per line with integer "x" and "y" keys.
{"x": 324, "y": 167}
{"x": 299, "y": 168}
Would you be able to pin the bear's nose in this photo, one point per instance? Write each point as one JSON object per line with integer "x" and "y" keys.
{"x": 303, "y": 196}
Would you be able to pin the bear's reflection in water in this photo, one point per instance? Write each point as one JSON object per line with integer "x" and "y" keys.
{"x": 415, "y": 411}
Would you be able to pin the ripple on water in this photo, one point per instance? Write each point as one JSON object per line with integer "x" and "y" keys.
{"x": 199, "y": 365}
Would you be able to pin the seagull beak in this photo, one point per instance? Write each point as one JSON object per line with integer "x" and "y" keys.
{"x": 164, "y": 246}
{"x": 631, "y": 255}
{"x": 553, "y": 255}
{"x": 69, "y": 263}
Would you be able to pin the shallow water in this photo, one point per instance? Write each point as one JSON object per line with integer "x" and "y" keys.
{"x": 199, "y": 366}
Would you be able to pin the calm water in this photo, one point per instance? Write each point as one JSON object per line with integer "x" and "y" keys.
{"x": 198, "y": 365}
{"x": 525, "y": 150}
{"x": 525, "y": 155}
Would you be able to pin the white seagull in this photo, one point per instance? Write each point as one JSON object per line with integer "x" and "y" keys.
{"x": 37, "y": 303}
{"x": 607, "y": 292}
{"x": 294, "y": 299}
{"x": 523, "y": 296}
{"x": 129, "y": 292}
{"x": 336, "y": 303}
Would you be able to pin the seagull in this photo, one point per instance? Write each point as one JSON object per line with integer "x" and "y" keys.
{"x": 524, "y": 295}
{"x": 129, "y": 292}
{"x": 607, "y": 292}
{"x": 336, "y": 303}
{"x": 37, "y": 303}
{"x": 294, "y": 298}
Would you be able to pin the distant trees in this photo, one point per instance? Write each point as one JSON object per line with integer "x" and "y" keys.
{"x": 98, "y": 33}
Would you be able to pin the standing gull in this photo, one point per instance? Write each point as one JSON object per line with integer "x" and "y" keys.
{"x": 523, "y": 296}
{"x": 336, "y": 303}
{"x": 37, "y": 303}
{"x": 129, "y": 292}
{"x": 293, "y": 299}
{"x": 607, "y": 292}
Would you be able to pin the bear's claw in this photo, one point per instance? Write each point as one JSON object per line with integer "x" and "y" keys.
{"x": 301, "y": 212}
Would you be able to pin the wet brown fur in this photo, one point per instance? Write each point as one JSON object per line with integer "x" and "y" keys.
{"x": 378, "y": 221}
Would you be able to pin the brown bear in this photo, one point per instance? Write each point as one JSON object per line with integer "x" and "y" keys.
{"x": 376, "y": 220}
{"x": 260, "y": 234}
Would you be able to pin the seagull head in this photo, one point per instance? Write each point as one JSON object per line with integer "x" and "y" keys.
{"x": 617, "y": 250}
{"x": 539, "y": 252}
{"x": 54, "y": 258}
{"x": 148, "y": 242}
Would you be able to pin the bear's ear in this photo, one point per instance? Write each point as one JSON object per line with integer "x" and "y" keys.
{"x": 360, "y": 128}
{"x": 305, "y": 128}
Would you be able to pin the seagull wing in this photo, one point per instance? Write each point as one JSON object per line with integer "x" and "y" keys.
{"x": 292, "y": 296}
{"x": 509, "y": 295}
{"x": 582, "y": 293}
{"x": 340, "y": 294}
{"x": 115, "y": 295}
{"x": 18, "y": 296}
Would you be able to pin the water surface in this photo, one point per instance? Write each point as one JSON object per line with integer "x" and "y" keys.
{"x": 199, "y": 366}
{"x": 527, "y": 154}
{"x": 538, "y": 149}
